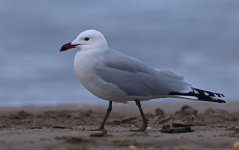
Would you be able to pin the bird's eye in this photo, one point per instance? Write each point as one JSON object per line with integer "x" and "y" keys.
{"x": 86, "y": 39}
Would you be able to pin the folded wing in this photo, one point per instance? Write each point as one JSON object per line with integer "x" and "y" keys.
{"x": 136, "y": 78}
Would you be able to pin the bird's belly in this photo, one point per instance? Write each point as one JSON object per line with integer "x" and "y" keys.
{"x": 100, "y": 88}
{"x": 104, "y": 90}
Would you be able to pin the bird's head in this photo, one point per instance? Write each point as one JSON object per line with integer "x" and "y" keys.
{"x": 87, "y": 40}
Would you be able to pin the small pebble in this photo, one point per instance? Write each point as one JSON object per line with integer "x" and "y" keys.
{"x": 132, "y": 147}
{"x": 236, "y": 145}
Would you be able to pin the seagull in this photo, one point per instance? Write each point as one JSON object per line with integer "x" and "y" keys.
{"x": 116, "y": 77}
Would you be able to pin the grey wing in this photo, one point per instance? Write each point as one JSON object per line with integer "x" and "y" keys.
{"x": 136, "y": 78}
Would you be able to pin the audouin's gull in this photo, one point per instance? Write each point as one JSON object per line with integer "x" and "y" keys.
{"x": 113, "y": 76}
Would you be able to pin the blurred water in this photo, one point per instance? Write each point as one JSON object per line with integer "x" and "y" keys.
{"x": 198, "y": 39}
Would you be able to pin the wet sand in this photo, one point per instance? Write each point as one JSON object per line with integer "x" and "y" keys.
{"x": 212, "y": 126}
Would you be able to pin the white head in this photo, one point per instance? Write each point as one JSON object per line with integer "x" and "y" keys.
{"x": 87, "y": 40}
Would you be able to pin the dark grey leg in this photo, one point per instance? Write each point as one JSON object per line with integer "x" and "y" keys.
{"x": 145, "y": 121}
{"x": 102, "y": 125}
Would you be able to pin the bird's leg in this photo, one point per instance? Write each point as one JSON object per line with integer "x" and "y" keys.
{"x": 145, "y": 121}
{"x": 102, "y": 125}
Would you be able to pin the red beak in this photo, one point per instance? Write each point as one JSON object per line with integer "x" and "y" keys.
{"x": 68, "y": 46}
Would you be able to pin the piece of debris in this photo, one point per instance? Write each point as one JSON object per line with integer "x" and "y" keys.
{"x": 181, "y": 124}
{"x": 172, "y": 129}
{"x": 99, "y": 133}
{"x": 58, "y": 127}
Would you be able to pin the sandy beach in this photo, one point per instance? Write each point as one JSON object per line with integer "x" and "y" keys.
{"x": 180, "y": 126}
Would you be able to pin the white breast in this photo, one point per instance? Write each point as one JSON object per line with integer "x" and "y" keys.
{"x": 84, "y": 65}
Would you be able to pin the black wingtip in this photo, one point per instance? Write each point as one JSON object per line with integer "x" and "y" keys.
{"x": 202, "y": 95}
{"x": 213, "y": 100}
{"x": 221, "y": 101}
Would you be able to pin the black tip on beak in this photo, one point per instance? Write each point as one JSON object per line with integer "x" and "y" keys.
{"x": 67, "y": 46}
